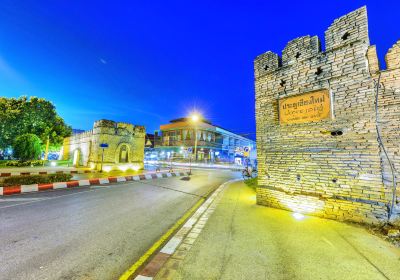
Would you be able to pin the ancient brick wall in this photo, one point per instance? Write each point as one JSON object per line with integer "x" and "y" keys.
{"x": 388, "y": 116}
{"x": 125, "y": 145}
{"x": 78, "y": 143}
{"x": 333, "y": 167}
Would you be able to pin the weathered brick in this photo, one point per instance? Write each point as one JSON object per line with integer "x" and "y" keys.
{"x": 302, "y": 167}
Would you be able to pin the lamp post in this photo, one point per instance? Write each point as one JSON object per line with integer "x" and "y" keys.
{"x": 195, "y": 118}
{"x": 103, "y": 146}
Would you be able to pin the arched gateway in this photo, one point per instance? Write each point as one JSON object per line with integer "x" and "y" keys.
{"x": 115, "y": 143}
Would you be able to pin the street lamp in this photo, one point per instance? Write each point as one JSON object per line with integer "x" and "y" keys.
{"x": 195, "y": 118}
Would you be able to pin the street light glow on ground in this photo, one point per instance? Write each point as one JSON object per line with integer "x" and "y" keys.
{"x": 298, "y": 216}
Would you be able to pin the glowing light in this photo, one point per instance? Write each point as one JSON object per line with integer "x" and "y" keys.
{"x": 107, "y": 168}
{"x": 135, "y": 167}
{"x": 303, "y": 204}
{"x": 92, "y": 165}
{"x": 298, "y": 216}
{"x": 195, "y": 117}
{"x": 53, "y": 163}
{"x": 123, "y": 168}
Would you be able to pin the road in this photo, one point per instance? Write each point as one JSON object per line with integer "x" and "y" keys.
{"x": 93, "y": 232}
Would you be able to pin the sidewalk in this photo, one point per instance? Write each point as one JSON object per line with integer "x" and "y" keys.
{"x": 242, "y": 240}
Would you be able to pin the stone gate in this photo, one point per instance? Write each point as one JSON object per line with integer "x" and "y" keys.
{"x": 325, "y": 146}
{"x": 125, "y": 146}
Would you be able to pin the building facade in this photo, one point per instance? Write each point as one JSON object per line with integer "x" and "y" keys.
{"x": 328, "y": 126}
{"x": 177, "y": 140}
{"x": 113, "y": 144}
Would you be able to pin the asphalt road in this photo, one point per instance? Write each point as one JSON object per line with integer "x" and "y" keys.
{"x": 93, "y": 232}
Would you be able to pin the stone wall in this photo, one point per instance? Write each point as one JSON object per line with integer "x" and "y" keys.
{"x": 308, "y": 167}
{"x": 125, "y": 145}
{"x": 388, "y": 117}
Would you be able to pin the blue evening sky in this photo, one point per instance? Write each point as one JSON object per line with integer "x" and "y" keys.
{"x": 147, "y": 62}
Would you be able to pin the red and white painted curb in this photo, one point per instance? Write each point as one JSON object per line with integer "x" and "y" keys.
{"x": 191, "y": 229}
{"x": 88, "y": 182}
{"x": 9, "y": 174}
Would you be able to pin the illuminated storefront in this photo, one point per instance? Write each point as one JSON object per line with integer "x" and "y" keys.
{"x": 177, "y": 141}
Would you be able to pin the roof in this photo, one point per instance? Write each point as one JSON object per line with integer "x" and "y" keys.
{"x": 185, "y": 119}
{"x": 186, "y": 122}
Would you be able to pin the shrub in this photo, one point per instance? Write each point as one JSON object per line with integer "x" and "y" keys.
{"x": 27, "y": 147}
{"x": 252, "y": 183}
{"x": 12, "y": 163}
{"x": 20, "y": 163}
{"x": 36, "y": 179}
{"x": 38, "y": 162}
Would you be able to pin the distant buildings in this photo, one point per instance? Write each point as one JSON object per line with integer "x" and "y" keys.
{"x": 177, "y": 140}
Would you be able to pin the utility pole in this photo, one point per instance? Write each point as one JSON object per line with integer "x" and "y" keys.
{"x": 190, "y": 159}
{"x": 195, "y": 143}
{"x": 195, "y": 119}
{"x": 102, "y": 159}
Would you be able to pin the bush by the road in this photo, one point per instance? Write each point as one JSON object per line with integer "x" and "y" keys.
{"x": 27, "y": 147}
{"x": 20, "y": 163}
{"x": 36, "y": 179}
{"x": 252, "y": 183}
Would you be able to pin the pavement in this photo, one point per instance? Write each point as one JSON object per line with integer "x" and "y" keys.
{"x": 93, "y": 232}
{"x": 237, "y": 239}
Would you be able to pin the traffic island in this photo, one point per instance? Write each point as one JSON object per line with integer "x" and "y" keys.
{"x": 42, "y": 186}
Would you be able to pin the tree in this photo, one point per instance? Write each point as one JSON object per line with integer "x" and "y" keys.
{"x": 27, "y": 147}
{"x": 31, "y": 115}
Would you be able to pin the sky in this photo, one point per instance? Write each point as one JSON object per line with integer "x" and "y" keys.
{"x": 147, "y": 62}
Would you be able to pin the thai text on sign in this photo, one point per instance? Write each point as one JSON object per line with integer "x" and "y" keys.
{"x": 304, "y": 108}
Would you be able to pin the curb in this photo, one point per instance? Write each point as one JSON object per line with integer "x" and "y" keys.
{"x": 9, "y": 174}
{"x": 186, "y": 235}
{"x": 18, "y": 189}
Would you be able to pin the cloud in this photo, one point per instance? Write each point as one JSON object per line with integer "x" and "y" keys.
{"x": 103, "y": 61}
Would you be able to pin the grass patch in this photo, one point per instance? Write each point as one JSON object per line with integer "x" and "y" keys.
{"x": 35, "y": 179}
{"x": 251, "y": 183}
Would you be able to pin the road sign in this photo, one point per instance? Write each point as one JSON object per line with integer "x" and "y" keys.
{"x": 103, "y": 145}
{"x": 189, "y": 149}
